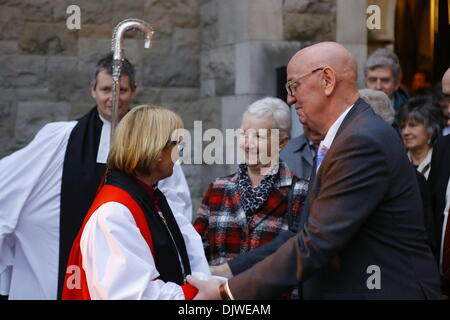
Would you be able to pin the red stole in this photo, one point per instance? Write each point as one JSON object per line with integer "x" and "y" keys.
{"x": 75, "y": 283}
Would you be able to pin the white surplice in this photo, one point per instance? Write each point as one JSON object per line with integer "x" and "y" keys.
{"x": 119, "y": 264}
{"x": 30, "y": 187}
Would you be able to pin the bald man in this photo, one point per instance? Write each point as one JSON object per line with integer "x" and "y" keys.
{"x": 364, "y": 236}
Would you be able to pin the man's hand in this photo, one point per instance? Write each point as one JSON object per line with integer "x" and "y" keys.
{"x": 222, "y": 270}
{"x": 207, "y": 290}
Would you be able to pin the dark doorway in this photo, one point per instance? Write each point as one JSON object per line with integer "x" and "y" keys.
{"x": 442, "y": 41}
{"x": 422, "y": 39}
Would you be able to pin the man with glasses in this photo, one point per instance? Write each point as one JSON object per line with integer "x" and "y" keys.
{"x": 293, "y": 83}
{"x": 363, "y": 235}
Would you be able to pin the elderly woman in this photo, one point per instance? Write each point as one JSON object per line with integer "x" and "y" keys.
{"x": 380, "y": 103}
{"x": 249, "y": 208}
{"x": 131, "y": 245}
{"x": 419, "y": 123}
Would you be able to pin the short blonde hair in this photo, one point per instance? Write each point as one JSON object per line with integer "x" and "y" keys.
{"x": 140, "y": 138}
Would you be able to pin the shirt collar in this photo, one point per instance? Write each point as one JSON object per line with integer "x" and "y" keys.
{"x": 103, "y": 146}
{"x": 103, "y": 119}
{"x": 331, "y": 134}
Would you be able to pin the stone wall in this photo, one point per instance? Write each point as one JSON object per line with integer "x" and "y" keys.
{"x": 47, "y": 68}
{"x": 245, "y": 41}
{"x": 309, "y": 20}
{"x": 208, "y": 61}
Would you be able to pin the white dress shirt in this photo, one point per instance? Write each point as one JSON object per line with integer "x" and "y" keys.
{"x": 425, "y": 166}
{"x": 30, "y": 188}
{"x": 111, "y": 244}
{"x": 331, "y": 133}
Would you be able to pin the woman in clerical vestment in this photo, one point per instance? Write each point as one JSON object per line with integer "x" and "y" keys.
{"x": 131, "y": 244}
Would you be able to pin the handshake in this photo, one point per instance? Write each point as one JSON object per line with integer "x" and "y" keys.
{"x": 215, "y": 288}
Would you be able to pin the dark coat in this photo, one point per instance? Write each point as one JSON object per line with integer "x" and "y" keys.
{"x": 298, "y": 156}
{"x": 365, "y": 220}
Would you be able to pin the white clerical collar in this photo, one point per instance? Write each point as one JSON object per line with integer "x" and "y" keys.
{"x": 103, "y": 146}
{"x": 333, "y": 130}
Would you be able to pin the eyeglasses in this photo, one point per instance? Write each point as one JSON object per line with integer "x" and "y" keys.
{"x": 290, "y": 84}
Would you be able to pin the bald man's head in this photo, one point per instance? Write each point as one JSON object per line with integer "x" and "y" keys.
{"x": 322, "y": 81}
{"x": 329, "y": 54}
{"x": 446, "y": 80}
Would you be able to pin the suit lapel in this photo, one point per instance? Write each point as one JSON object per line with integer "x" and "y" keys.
{"x": 306, "y": 151}
{"x": 301, "y": 146}
{"x": 358, "y": 107}
{"x": 316, "y": 178}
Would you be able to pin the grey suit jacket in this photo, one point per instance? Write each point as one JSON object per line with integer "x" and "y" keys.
{"x": 365, "y": 236}
{"x": 298, "y": 156}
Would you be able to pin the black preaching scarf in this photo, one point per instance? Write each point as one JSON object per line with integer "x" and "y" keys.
{"x": 80, "y": 179}
{"x": 166, "y": 250}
